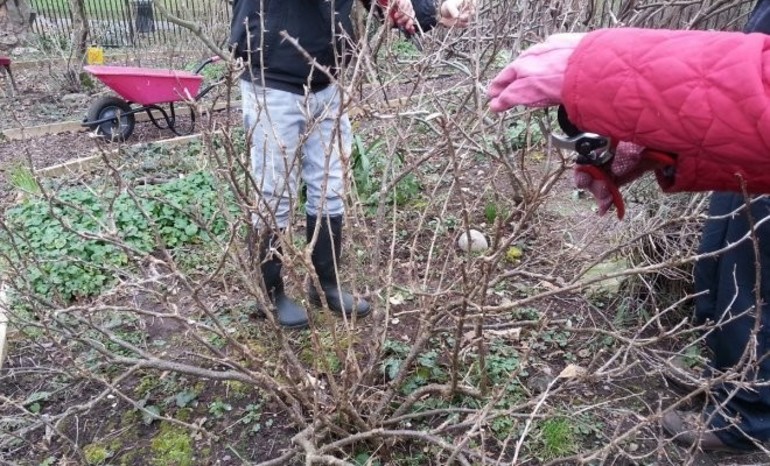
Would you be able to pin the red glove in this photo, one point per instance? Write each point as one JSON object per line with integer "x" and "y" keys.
{"x": 400, "y": 14}
{"x": 630, "y": 162}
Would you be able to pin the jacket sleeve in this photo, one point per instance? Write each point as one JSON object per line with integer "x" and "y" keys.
{"x": 703, "y": 96}
{"x": 426, "y": 13}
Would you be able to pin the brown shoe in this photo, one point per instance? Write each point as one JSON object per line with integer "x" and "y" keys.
{"x": 685, "y": 383}
{"x": 683, "y": 378}
{"x": 689, "y": 430}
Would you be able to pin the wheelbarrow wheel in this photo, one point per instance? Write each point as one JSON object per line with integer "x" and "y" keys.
{"x": 120, "y": 127}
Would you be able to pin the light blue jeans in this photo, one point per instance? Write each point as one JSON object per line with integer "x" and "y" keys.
{"x": 296, "y": 135}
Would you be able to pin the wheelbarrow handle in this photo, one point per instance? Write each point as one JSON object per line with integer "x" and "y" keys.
{"x": 206, "y": 62}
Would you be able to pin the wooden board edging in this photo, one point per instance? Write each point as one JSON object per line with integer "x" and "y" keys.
{"x": 73, "y": 126}
{"x": 86, "y": 163}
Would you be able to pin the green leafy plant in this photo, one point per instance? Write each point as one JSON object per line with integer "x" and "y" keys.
{"x": 404, "y": 49}
{"x": 557, "y": 338}
{"x": 500, "y": 363}
{"x": 394, "y": 353}
{"x": 692, "y": 356}
{"x": 427, "y": 368}
{"x": 490, "y": 212}
{"x": 65, "y": 243}
{"x": 365, "y": 459}
{"x": 219, "y": 408}
{"x": 371, "y": 170}
{"x": 33, "y": 402}
{"x": 493, "y": 211}
{"x": 149, "y": 414}
{"x": 185, "y": 397}
{"x": 502, "y": 426}
{"x": 52, "y": 43}
{"x": 323, "y": 354}
{"x": 253, "y": 417}
{"x": 442, "y": 225}
{"x": 521, "y": 130}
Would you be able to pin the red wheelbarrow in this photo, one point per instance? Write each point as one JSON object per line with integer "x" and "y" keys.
{"x": 113, "y": 117}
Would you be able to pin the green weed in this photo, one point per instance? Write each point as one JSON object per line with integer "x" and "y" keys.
{"x": 96, "y": 454}
{"x": 57, "y": 241}
{"x": 371, "y": 169}
{"x": 557, "y": 438}
{"x": 692, "y": 356}
{"x": 325, "y": 357}
{"x": 490, "y": 212}
{"x": 525, "y": 132}
{"x": 365, "y": 459}
{"x": 553, "y": 338}
{"x": 219, "y": 408}
{"x": 500, "y": 363}
{"x": 404, "y": 49}
{"x": 444, "y": 224}
{"x": 253, "y": 417}
{"x": 22, "y": 178}
{"x": 172, "y": 447}
{"x": 34, "y": 402}
{"x": 394, "y": 353}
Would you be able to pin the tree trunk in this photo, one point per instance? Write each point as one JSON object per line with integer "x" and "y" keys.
{"x": 80, "y": 30}
{"x": 79, "y": 45}
{"x": 15, "y": 19}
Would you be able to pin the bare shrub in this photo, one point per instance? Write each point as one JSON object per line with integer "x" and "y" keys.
{"x": 133, "y": 299}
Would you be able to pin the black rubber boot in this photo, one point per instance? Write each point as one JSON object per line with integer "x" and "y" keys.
{"x": 326, "y": 254}
{"x": 289, "y": 313}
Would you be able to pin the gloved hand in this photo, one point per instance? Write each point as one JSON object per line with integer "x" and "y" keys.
{"x": 630, "y": 162}
{"x": 456, "y": 13}
{"x": 536, "y": 77}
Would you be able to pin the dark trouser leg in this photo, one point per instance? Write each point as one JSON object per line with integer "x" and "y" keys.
{"x": 731, "y": 280}
{"x": 326, "y": 254}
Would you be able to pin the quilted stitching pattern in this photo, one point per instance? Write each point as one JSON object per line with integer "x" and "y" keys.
{"x": 701, "y": 95}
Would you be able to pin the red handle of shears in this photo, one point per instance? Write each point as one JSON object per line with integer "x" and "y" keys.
{"x": 602, "y": 174}
{"x": 651, "y": 160}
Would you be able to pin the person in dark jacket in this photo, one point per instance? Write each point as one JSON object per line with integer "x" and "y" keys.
{"x": 296, "y": 123}
{"x": 737, "y": 417}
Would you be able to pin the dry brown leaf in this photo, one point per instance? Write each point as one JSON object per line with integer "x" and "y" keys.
{"x": 572, "y": 371}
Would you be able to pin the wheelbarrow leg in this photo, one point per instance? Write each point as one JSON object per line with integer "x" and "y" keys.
{"x": 5, "y": 64}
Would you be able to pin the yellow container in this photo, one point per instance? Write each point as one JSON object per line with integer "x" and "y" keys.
{"x": 95, "y": 56}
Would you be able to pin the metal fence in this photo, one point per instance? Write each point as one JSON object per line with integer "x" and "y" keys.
{"x": 131, "y": 23}
{"x": 703, "y": 14}
{"x": 540, "y": 18}
{"x": 123, "y": 23}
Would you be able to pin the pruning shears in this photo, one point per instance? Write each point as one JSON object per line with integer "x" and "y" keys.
{"x": 595, "y": 155}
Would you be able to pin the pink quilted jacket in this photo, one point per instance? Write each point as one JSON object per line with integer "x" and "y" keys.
{"x": 704, "y": 96}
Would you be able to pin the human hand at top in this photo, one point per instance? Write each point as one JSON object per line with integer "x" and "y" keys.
{"x": 536, "y": 77}
{"x": 400, "y": 13}
{"x": 630, "y": 162}
{"x": 456, "y": 13}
